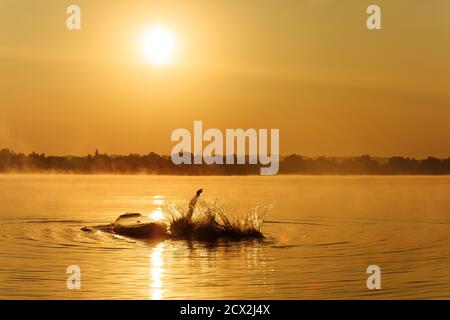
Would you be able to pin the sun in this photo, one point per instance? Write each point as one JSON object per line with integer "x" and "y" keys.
{"x": 158, "y": 46}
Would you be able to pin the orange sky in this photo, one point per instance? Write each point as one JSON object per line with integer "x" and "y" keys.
{"x": 307, "y": 67}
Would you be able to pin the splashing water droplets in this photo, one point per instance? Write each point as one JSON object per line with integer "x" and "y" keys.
{"x": 211, "y": 222}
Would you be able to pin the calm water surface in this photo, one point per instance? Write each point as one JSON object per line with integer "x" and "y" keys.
{"x": 321, "y": 235}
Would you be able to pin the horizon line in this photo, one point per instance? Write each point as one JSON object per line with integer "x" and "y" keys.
{"x": 282, "y": 156}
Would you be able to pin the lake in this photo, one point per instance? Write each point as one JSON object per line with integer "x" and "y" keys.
{"x": 321, "y": 235}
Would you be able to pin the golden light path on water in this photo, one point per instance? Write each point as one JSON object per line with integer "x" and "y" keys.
{"x": 157, "y": 214}
{"x": 157, "y": 263}
{"x": 156, "y": 256}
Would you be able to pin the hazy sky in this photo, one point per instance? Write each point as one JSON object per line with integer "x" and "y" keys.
{"x": 308, "y": 67}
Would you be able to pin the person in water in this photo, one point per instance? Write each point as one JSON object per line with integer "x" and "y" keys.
{"x": 192, "y": 204}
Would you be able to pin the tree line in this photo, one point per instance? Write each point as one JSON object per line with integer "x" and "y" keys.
{"x": 152, "y": 163}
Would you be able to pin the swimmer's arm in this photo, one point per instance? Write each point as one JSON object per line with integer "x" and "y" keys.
{"x": 193, "y": 203}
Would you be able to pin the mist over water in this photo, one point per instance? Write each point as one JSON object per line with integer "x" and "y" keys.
{"x": 321, "y": 235}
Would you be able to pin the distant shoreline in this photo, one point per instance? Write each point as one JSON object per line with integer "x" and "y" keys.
{"x": 154, "y": 164}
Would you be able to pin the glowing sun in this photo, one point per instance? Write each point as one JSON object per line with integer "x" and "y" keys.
{"x": 158, "y": 46}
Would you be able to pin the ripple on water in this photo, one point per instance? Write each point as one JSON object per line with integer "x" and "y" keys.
{"x": 331, "y": 254}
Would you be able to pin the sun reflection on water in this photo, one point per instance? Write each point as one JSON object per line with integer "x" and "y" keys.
{"x": 157, "y": 214}
{"x": 156, "y": 271}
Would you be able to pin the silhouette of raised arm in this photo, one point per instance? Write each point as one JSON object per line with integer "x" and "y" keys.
{"x": 193, "y": 203}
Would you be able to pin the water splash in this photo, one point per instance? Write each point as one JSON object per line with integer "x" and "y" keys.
{"x": 211, "y": 222}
